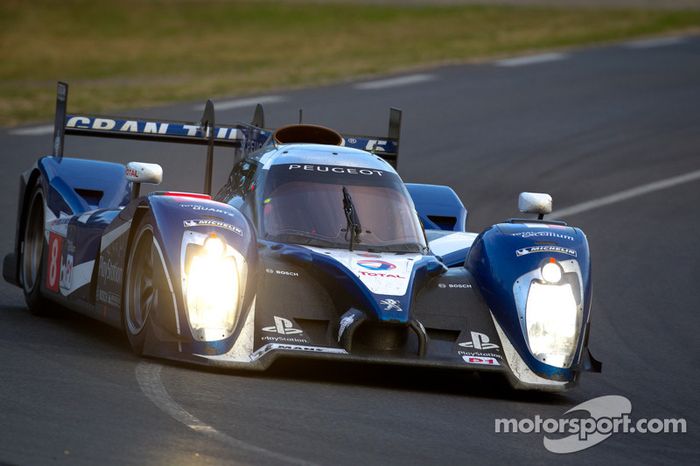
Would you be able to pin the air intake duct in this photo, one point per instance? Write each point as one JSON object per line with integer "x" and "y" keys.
{"x": 312, "y": 134}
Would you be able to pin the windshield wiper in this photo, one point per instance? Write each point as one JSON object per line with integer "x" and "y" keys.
{"x": 353, "y": 225}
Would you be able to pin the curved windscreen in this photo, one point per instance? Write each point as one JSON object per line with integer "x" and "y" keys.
{"x": 332, "y": 206}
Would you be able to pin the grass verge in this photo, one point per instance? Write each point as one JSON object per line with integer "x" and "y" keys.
{"x": 128, "y": 53}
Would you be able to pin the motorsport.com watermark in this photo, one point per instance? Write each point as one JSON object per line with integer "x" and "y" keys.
{"x": 607, "y": 415}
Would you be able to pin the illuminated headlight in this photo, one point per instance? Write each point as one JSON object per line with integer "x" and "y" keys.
{"x": 552, "y": 320}
{"x": 551, "y": 272}
{"x": 212, "y": 285}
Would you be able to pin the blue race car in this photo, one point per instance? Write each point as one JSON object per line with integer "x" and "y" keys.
{"x": 314, "y": 248}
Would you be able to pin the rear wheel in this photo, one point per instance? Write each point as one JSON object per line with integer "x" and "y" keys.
{"x": 31, "y": 255}
{"x": 145, "y": 292}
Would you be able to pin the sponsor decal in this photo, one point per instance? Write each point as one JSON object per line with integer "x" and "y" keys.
{"x": 486, "y": 361}
{"x": 147, "y": 127}
{"x": 479, "y": 354}
{"x": 391, "y": 305}
{"x": 53, "y": 271}
{"x": 132, "y": 172}
{"x": 66, "y": 272}
{"x": 107, "y": 297}
{"x": 454, "y": 285}
{"x": 539, "y": 234}
{"x": 376, "y": 264}
{"x": 282, "y": 272}
{"x": 535, "y": 249}
{"x": 203, "y": 208}
{"x": 110, "y": 271}
{"x": 260, "y": 352}
{"x": 283, "y": 327}
{"x": 345, "y": 322}
{"x": 331, "y": 169}
{"x": 479, "y": 341}
{"x": 380, "y": 274}
{"x": 61, "y": 221}
{"x": 207, "y": 222}
{"x": 375, "y": 145}
{"x": 284, "y": 339}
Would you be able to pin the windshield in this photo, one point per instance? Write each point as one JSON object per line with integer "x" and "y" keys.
{"x": 306, "y": 204}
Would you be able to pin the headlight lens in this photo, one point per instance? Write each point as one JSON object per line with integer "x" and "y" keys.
{"x": 551, "y": 272}
{"x": 552, "y": 318}
{"x": 212, "y": 289}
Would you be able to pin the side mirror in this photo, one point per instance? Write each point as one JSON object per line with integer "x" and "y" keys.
{"x": 140, "y": 172}
{"x": 535, "y": 203}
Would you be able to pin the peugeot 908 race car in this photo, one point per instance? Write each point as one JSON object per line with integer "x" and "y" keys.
{"x": 313, "y": 248}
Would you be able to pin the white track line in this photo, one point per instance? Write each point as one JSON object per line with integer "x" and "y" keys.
{"x": 33, "y": 130}
{"x": 655, "y": 42}
{"x": 627, "y": 194}
{"x": 394, "y": 82}
{"x": 532, "y": 59}
{"x": 247, "y": 102}
{"x": 148, "y": 377}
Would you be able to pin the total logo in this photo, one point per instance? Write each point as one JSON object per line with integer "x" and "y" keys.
{"x": 479, "y": 341}
{"x": 283, "y": 327}
{"x": 380, "y": 274}
{"x": 375, "y": 264}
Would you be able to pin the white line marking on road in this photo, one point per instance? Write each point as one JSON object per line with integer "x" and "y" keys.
{"x": 394, "y": 82}
{"x": 532, "y": 59}
{"x": 655, "y": 42}
{"x": 148, "y": 377}
{"x": 33, "y": 130}
{"x": 247, "y": 102}
{"x": 627, "y": 194}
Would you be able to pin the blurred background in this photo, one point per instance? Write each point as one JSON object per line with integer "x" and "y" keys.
{"x": 121, "y": 54}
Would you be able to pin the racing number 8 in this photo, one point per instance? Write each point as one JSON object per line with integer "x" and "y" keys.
{"x": 54, "y": 262}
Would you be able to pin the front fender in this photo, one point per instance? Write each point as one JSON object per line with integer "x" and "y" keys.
{"x": 501, "y": 259}
{"x": 174, "y": 215}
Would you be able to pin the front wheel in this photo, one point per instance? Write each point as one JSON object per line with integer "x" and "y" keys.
{"x": 144, "y": 290}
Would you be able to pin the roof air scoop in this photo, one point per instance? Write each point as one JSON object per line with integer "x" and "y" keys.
{"x": 312, "y": 134}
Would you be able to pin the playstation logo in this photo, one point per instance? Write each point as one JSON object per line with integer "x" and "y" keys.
{"x": 283, "y": 327}
{"x": 479, "y": 341}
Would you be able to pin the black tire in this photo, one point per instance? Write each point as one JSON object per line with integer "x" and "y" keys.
{"x": 144, "y": 290}
{"x": 31, "y": 263}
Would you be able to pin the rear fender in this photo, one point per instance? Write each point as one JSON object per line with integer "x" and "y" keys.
{"x": 73, "y": 186}
{"x": 439, "y": 207}
{"x": 502, "y": 259}
{"x": 70, "y": 186}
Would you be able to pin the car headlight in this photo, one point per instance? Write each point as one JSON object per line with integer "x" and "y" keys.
{"x": 213, "y": 282}
{"x": 552, "y": 317}
{"x": 549, "y": 301}
{"x": 551, "y": 271}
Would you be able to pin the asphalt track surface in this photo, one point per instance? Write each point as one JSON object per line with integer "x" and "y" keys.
{"x": 581, "y": 126}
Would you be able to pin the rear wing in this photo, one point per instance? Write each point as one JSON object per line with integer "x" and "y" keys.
{"x": 387, "y": 147}
{"x": 242, "y": 137}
